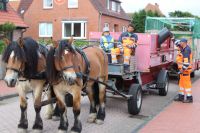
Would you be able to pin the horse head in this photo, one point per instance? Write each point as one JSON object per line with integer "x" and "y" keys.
{"x": 64, "y": 58}
{"x": 14, "y": 57}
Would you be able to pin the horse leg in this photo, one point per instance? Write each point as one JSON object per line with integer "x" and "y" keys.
{"x": 49, "y": 108}
{"x": 101, "y": 112}
{"x": 77, "y": 127}
{"x": 93, "y": 111}
{"x": 23, "y": 123}
{"x": 63, "y": 111}
{"x": 37, "y": 93}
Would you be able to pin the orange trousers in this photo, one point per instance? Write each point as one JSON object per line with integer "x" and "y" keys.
{"x": 185, "y": 84}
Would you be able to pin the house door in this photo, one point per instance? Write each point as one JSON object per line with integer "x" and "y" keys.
{"x": 116, "y": 28}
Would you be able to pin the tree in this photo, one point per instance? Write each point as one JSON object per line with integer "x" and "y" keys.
{"x": 6, "y": 28}
{"x": 181, "y": 14}
{"x": 138, "y": 19}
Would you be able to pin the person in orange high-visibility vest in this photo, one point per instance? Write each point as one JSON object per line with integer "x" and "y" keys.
{"x": 184, "y": 61}
{"x": 128, "y": 44}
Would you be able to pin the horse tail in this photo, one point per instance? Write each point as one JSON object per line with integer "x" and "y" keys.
{"x": 96, "y": 93}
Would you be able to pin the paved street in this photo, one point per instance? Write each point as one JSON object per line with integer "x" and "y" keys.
{"x": 117, "y": 118}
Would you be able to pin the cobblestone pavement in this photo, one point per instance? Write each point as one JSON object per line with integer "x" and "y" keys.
{"x": 117, "y": 118}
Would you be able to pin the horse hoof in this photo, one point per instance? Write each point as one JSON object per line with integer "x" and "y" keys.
{"x": 62, "y": 131}
{"x": 37, "y": 131}
{"x": 99, "y": 122}
{"x": 92, "y": 117}
{"x": 21, "y": 130}
{"x": 55, "y": 118}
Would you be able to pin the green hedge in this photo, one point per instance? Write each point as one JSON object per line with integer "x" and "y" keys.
{"x": 2, "y": 46}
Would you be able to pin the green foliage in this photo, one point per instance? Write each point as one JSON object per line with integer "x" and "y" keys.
{"x": 138, "y": 19}
{"x": 45, "y": 41}
{"x": 7, "y": 28}
{"x": 2, "y": 46}
{"x": 181, "y": 14}
{"x": 80, "y": 43}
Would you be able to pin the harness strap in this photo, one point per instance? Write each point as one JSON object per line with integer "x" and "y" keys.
{"x": 87, "y": 71}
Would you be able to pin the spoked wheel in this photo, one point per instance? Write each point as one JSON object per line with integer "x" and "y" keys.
{"x": 135, "y": 101}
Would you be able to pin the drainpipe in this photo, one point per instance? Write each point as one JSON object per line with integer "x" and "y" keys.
{"x": 99, "y": 23}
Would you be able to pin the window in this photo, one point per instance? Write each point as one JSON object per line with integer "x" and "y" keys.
{"x": 124, "y": 29}
{"x": 3, "y": 5}
{"x": 119, "y": 7}
{"x": 75, "y": 28}
{"x": 108, "y": 4}
{"x": 106, "y": 25}
{"x": 72, "y": 3}
{"x": 114, "y": 6}
{"x": 45, "y": 29}
{"x": 47, "y": 4}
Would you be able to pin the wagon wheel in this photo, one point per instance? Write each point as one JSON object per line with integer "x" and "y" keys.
{"x": 164, "y": 91}
{"x": 135, "y": 101}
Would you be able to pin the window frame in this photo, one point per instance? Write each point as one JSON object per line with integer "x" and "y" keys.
{"x": 46, "y": 7}
{"x": 83, "y": 25}
{"x": 40, "y": 35}
{"x": 72, "y": 7}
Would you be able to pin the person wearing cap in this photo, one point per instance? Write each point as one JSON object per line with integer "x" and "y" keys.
{"x": 185, "y": 67}
{"x": 128, "y": 40}
{"x": 107, "y": 44}
{"x": 106, "y": 41}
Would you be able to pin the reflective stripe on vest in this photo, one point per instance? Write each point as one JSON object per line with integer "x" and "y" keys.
{"x": 105, "y": 41}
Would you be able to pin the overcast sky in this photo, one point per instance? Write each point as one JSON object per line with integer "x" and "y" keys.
{"x": 166, "y": 6}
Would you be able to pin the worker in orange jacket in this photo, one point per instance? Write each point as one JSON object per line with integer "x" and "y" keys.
{"x": 184, "y": 61}
{"x": 128, "y": 45}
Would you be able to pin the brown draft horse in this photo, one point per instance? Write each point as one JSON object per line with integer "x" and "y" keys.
{"x": 26, "y": 63}
{"x": 64, "y": 67}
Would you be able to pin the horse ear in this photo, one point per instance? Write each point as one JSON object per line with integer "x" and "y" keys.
{"x": 21, "y": 42}
{"x": 71, "y": 40}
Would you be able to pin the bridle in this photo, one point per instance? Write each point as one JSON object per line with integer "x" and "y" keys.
{"x": 19, "y": 71}
{"x": 61, "y": 72}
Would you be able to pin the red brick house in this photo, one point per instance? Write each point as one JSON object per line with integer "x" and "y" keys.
{"x": 154, "y": 8}
{"x": 63, "y": 18}
{"x": 8, "y": 14}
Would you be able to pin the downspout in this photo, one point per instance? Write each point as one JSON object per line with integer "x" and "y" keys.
{"x": 99, "y": 23}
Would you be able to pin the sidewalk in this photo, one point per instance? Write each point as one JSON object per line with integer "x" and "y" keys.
{"x": 178, "y": 117}
{"x": 6, "y": 92}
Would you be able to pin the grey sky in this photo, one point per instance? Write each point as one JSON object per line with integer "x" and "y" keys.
{"x": 166, "y": 6}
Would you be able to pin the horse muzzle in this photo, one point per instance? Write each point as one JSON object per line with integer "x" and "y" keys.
{"x": 11, "y": 82}
{"x": 70, "y": 78}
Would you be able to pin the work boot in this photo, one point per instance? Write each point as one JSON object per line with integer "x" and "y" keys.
{"x": 188, "y": 100}
{"x": 179, "y": 97}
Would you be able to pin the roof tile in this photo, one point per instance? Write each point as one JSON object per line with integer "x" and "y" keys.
{"x": 11, "y": 16}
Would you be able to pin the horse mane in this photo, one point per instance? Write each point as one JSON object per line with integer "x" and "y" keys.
{"x": 31, "y": 48}
{"x": 27, "y": 53}
{"x": 19, "y": 52}
{"x": 51, "y": 69}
